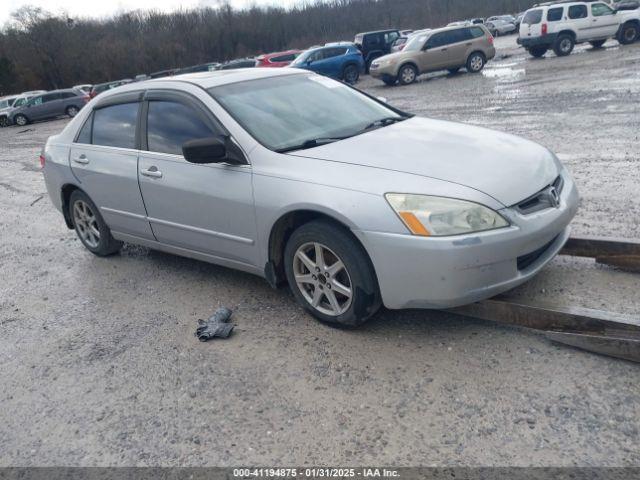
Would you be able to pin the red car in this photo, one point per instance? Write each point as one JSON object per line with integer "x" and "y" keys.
{"x": 278, "y": 59}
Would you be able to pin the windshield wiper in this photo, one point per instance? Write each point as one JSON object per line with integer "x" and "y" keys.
{"x": 383, "y": 122}
{"x": 311, "y": 143}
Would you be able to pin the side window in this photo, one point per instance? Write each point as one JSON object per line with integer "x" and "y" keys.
{"x": 372, "y": 40}
{"x": 67, "y": 95}
{"x": 532, "y": 17}
{"x": 115, "y": 126}
{"x": 170, "y": 124}
{"x": 439, "y": 40}
{"x": 391, "y": 37}
{"x": 315, "y": 56}
{"x": 578, "y": 11}
{"x": 284, "y": 58}
{"x": 51, "y": 97}
{"x": 600, "y": 9}
{"x": 555, "y": 14}
{"x": 85, "y": 132}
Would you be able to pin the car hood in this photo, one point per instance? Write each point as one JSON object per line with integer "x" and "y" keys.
{"x": 503, "y": 166}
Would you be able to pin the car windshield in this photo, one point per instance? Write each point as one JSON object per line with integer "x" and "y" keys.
{"x": 288, "y": 111}
{"x": 20, "y": 101}
{"x": 300, "y": 59}
{"x": 415, "y": 43}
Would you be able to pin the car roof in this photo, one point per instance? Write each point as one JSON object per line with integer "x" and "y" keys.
{"x": 210, "y": 79}
{"x": 378, "y": 31}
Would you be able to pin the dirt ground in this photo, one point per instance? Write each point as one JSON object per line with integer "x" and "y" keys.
{"x": 99, "y": 364}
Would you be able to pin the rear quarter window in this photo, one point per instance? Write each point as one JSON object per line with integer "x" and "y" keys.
{"x": 532, "y": 17}
{"x": 476, "y": 32}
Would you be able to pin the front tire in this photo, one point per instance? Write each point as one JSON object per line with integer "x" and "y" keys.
{"x": 90, "y": 227}
{"x": 330, "y": 274}
{"x": 351, "y": 74}
{"x": 476, "y": 62}
{"x": 629, "y": 34}
{"x": 407, "y": 74}
{"x": 564, "y": 45}
{"x": 20, "y": 120}
{"x": 72, "y": 111}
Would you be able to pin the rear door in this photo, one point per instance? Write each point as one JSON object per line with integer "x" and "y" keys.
{"x": 455, "y": 53}
{"x": 604, "y": 21}
{"x": 104, "y": 158}
{"x": 203, "y": 208}
{"x": 580, "y": 21}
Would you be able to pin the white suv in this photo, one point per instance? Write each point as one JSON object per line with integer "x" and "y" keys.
{"x": 561, "y": 25}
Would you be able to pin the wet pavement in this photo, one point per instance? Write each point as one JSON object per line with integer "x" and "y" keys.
{"x": 100, "y": 365}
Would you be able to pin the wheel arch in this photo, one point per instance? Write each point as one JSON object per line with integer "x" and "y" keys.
{"x": 408, "y": 62}
{"x": 571, "y": 33}
{"x": 65, "y": 195}
{"x": 286, "y": 224}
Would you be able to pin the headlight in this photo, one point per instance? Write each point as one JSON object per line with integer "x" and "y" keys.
{"x": 440, "y": 216}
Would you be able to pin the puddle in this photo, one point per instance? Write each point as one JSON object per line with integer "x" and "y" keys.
{"x": 503, "y": 72}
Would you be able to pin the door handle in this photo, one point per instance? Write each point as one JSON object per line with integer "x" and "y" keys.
{"x": 152, "y": 172}
{"x": 82, "y": 159}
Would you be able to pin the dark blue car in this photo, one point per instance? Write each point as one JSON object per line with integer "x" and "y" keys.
{"x": 339, "y": 61}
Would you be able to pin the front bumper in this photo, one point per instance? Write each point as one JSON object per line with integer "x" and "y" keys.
{"x": 445, "y": 272}
{"x": 383, "y": 72}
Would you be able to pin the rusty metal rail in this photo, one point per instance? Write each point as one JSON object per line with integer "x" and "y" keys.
{"x": 621, "y": 253}
{"x": 606, "y": 333}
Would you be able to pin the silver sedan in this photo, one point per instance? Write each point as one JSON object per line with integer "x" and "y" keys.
{"x": 307, "y": 181}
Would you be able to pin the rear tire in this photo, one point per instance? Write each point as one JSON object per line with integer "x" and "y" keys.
{"x": 538, "y": 52}
{"x": 476, "y": 62}
{"x": 341, "y": 288}
{"x": 564, "y": 45}
{"x": 90, "y": 227}
{"x": 351, "y": 74}
{"x": 407, "y": 74}
{"x": 20, "y": 120}
{"x": 629, "y": 33}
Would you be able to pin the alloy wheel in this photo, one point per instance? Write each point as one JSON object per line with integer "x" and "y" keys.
{"x": 408, "y": 75}
{"x": 86, "y": 223}
{"x": 72, "y": 111}
{"x": 565, "y": 45}
{"x": 21, "y": 121}
{"x": 476, "y": 63}
{"x": 323, "y": 279}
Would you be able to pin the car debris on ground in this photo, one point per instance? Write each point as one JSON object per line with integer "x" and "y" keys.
{"x": 217, "y": 325}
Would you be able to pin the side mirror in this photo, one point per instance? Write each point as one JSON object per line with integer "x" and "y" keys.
{"x": 213, "y": 150}
{"x": 204, "y": 150}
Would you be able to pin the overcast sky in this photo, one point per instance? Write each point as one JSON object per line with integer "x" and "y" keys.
{"x": 102, "y": 8}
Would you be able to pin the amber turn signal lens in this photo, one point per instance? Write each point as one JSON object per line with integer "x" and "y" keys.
{"x": 413, "y": 224}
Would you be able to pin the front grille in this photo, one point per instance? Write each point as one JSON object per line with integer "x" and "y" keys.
{"x": 525, "y": 261}
{"x": 543, "y": 199}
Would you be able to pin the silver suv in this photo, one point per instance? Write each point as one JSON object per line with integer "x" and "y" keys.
{"x": 302, "y": 179}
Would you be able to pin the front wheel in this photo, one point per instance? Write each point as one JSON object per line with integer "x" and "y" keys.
{"x": 72, "y": 111}
{"x": 90, "y": 227}
{"x": 475, "y": 62}
{"x": 628, "y": 34}
{"x": 331, "y": 275}
{"x": 407, "y": 75}
{"x": 20, "y": 120}
{"x": 351, "y": 74}
{"x": 564, "y": 45}
{"x": 4, "y": 122}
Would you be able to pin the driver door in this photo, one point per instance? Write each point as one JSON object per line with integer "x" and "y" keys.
{"x": 604, "y": 21}
{"x": 206, "y": 208}
{"x": 435, "y": 52}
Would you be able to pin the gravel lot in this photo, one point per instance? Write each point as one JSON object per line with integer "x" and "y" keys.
{"x": 100, "y": 365}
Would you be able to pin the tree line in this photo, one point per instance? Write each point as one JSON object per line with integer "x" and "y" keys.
{"x": 39, "y": 50}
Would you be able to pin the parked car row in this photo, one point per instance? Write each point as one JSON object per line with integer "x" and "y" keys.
{"x": 560, "y": 26}
{"x": 8, "y": 103}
